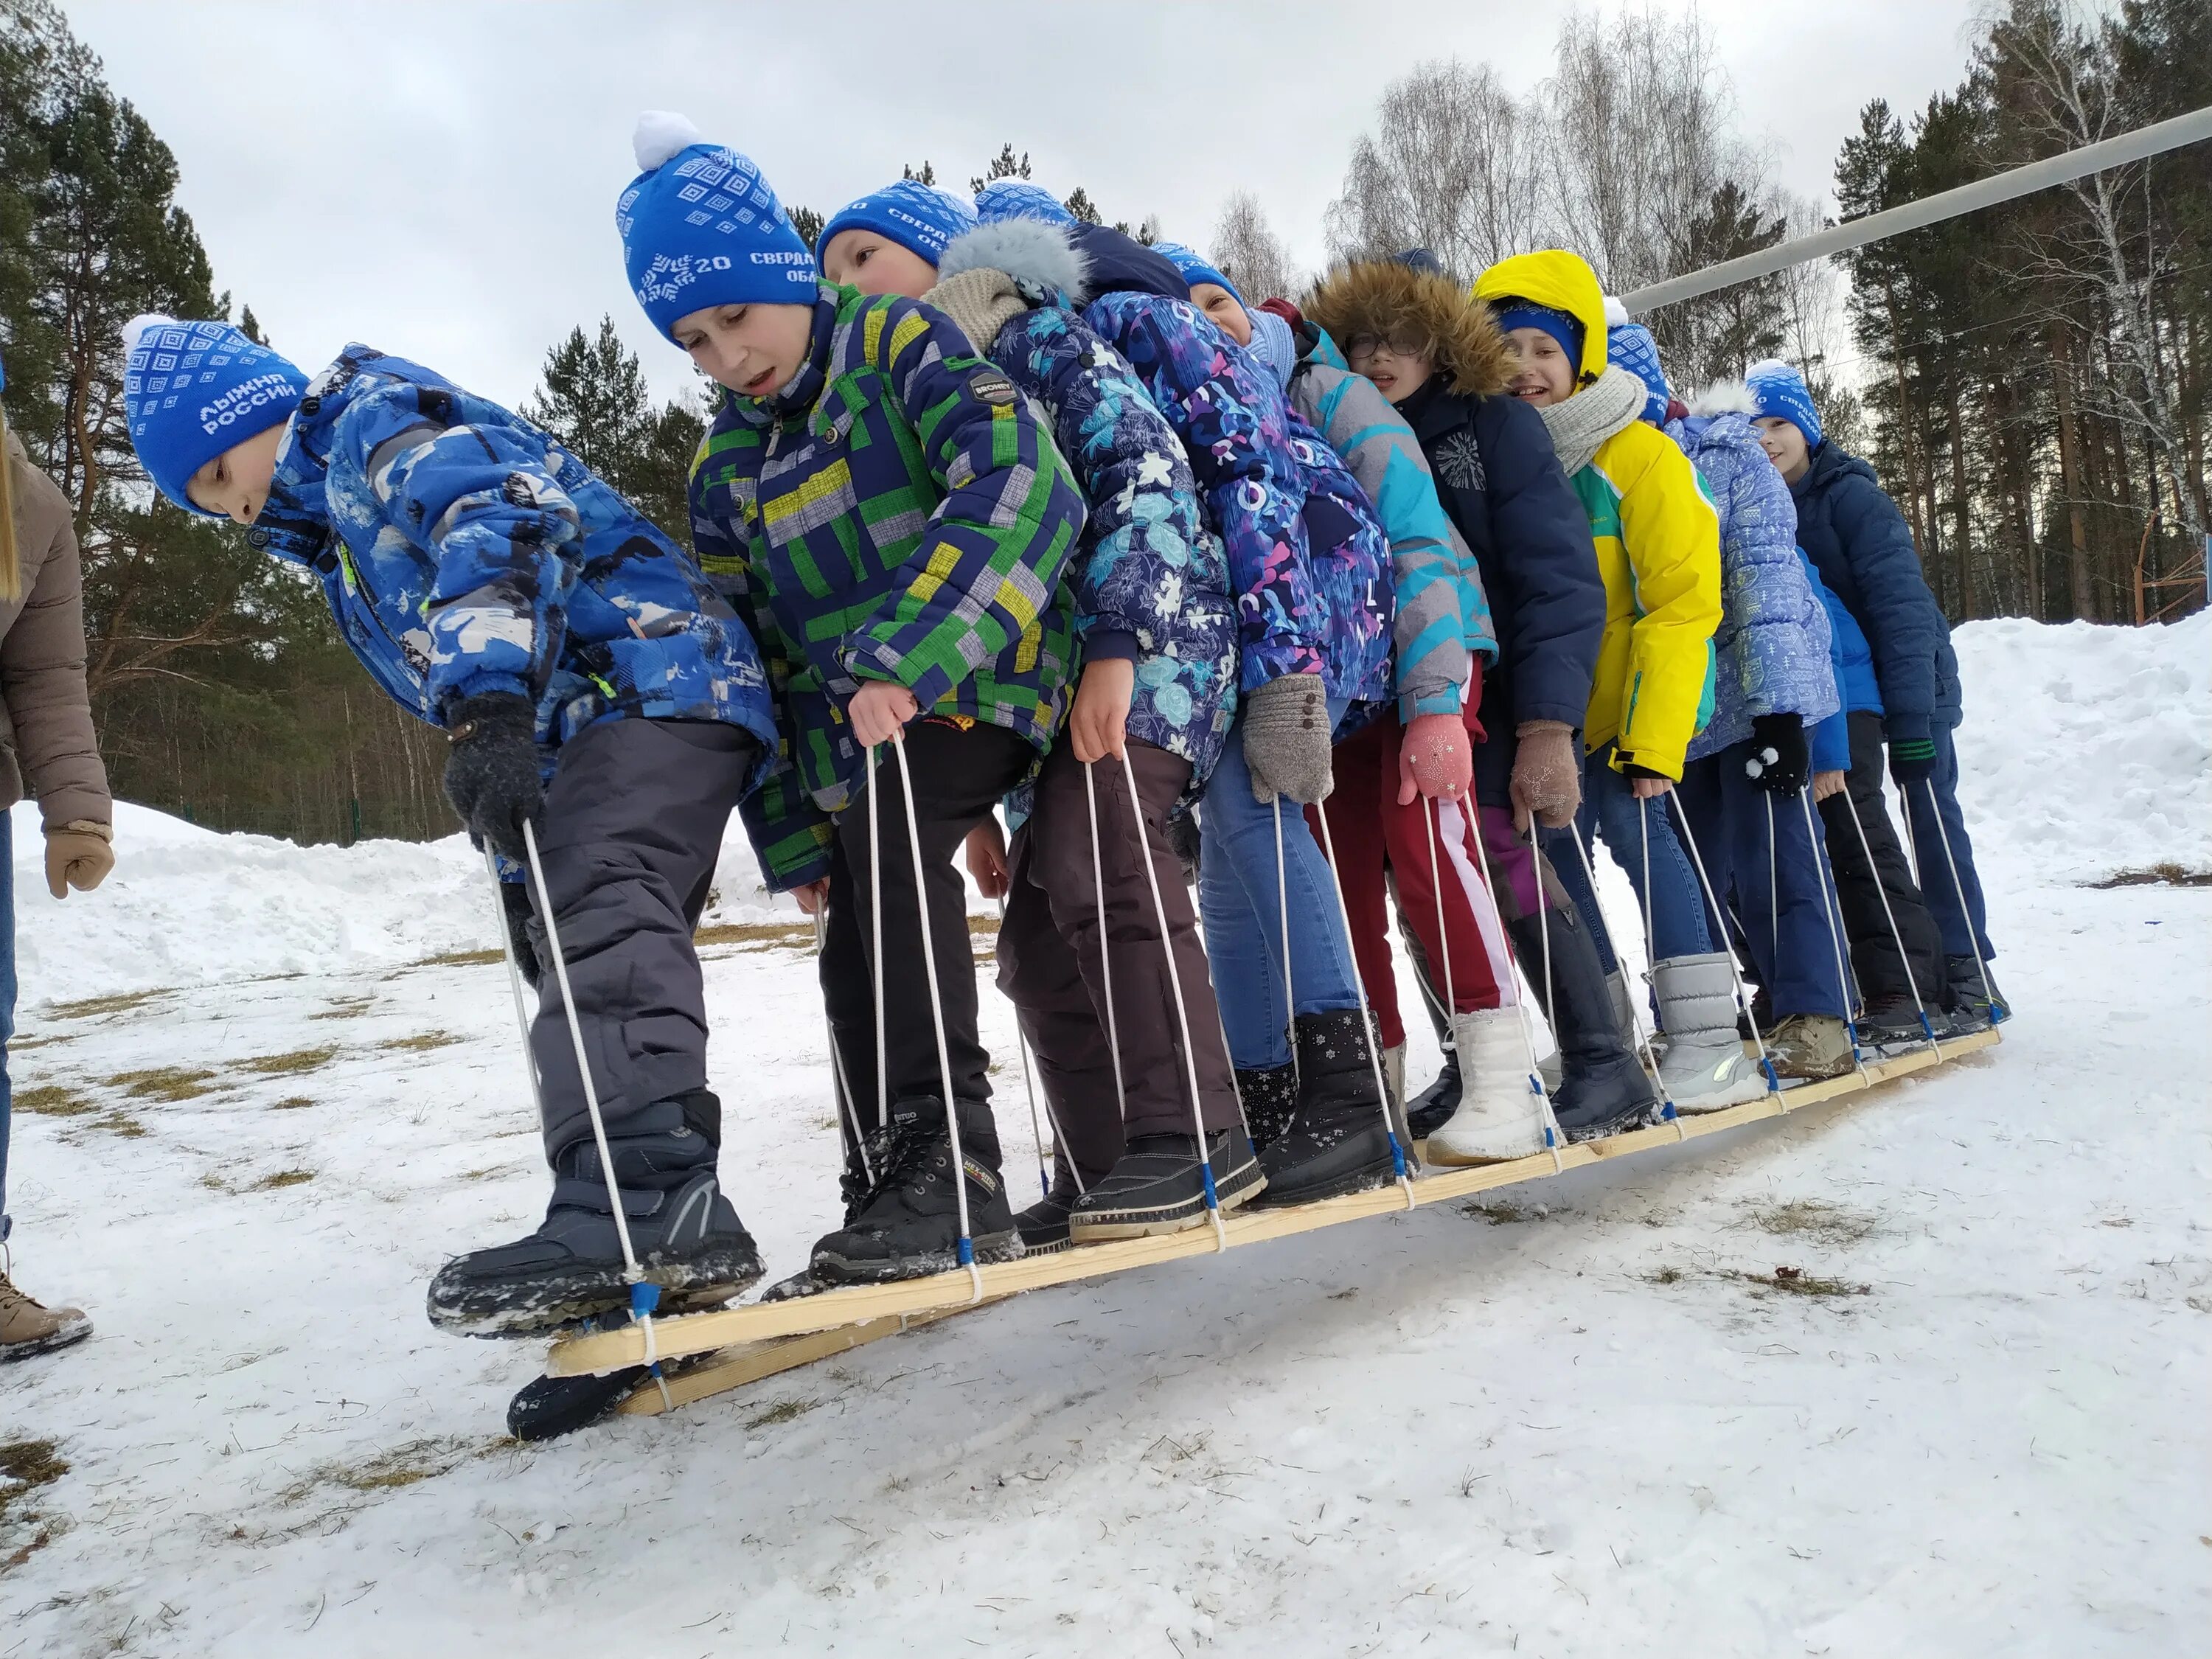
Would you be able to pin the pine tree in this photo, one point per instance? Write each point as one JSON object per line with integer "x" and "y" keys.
{"x": 926, "y": 175}
{"x": 808, "y": 223}
{"x": 1083, "y": 207}
{"x": 1004, "y": 165}
{"x": 594, "y": 398}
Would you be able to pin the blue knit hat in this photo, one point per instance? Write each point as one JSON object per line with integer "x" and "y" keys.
{"x": 1630, "y": 346}
{"x": 1016, "y": 198}
{"x": 1195, "y": 267}
{"x": 701, "y": 227}
{"x": 921, "y": 218}
{"x": 1421, "y": 259}
{"x": 194, "y": 390}
{"x": 1780, "y": 390}
{"x": 1516, "y": 312}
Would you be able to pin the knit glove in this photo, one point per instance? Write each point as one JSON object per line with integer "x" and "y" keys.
{"x": 78, "y": 855}
{"x": 1547, "y": 775}
{"x": 491, "y": 776}
{"x": 514, "y": 902}
{"x": 1286, "y": 739}
{"x": 1182, "y": 842}
{"x": 1912, "y": 759}
{"x": 1780, "y": 762}
{"x": 1434, "y": 759}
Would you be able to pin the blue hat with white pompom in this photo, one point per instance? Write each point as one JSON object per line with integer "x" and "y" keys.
{"x": 701, "y": 227}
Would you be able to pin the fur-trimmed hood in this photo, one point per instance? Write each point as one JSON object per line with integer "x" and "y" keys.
{"x": 1028, "y": 249}
{"x": 1383, "y": 297}
{"x": 1725, "y": 397}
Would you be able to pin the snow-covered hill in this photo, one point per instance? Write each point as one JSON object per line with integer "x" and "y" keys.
{"x": 1582, "y": 1418}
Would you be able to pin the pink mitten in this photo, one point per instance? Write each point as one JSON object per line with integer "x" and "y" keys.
{"x": 1434, "y": 758}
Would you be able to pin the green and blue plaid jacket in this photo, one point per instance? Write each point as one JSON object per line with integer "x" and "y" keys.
{"x": 897, "y": 513}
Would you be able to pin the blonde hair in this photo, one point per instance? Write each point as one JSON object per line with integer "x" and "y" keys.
{"x": 11, "y": 567}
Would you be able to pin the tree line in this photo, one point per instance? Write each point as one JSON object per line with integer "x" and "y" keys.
{"x": 2031, "y": 381}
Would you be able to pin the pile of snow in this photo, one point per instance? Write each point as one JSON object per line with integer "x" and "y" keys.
{"x": 2086, "y": 750}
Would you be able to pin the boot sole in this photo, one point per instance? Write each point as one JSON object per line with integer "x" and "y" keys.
{"x": 68, "y": 1337}
{"x": 1364, "y": 1179}
{"x": 1445, "y": 1157}
{"x": 1641, "y": 1117}
{"x": 1239, "y": 1188}
{"x": 716, "y": 1276}
{"x": 836, "y": 1270}
{"x": 1741, "y": 1094}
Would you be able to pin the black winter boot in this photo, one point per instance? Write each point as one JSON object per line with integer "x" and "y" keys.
{"x": 687, "y": 1239}
{"x": 1158, "y": 1186}
{"x": 1043, "y": 1225}
{"x": 909, "y": 1227}
{"x": 1602, "y": 1089}
{"x": 1270, "y": 1096}
{"x": 1432, "y": 1109}
{"x": 1976, "y": 1002}
{"x": 1337, "y": 1141}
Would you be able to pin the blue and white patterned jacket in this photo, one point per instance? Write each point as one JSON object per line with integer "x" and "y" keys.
{"x": 464, "y": 550}
{"x": 1771, "y": 650}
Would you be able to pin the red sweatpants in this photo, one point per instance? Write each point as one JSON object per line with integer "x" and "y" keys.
{"x": 1375, "y": 837}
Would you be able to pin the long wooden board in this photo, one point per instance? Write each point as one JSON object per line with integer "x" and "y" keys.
{"x": 844, "y": 1314}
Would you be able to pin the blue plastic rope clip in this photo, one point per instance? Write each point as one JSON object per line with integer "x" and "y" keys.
{"x": 1851, "y": 1030}
{"x": 1535, "y": 1087}
{"x": 1551, "y": 1139}
{"x": 1044, "y": 1186}
{"x": 1925, "y": 1027}
{"x": 643, "y": 1299}
{"x": 1773, "y": 1079}
{"x": 967, "y": 1251}
{"x": 1667, "y": 1111}
{"x": 1397, "y": 1160}
{"x": 1212, "y": 1202}
{"x": 1998, "y": 1013}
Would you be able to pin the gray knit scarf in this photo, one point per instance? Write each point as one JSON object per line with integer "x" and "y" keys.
{"x": 1582, "y": 423}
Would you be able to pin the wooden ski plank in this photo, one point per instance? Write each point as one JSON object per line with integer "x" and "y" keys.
{"x": 945, "y": 1293}
{"x": 752, "y": 1362}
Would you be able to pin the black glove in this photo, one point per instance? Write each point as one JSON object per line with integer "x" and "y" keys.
{"x": 514, "y": 899}
{"x": 1182, "y": 842}
{"x": 491, "y": 776}
{"x": 1780, "y": 762}
{"x": 1912, "y": 759}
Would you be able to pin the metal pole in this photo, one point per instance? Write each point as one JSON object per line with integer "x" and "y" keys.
{"x": 2153, "y": 140}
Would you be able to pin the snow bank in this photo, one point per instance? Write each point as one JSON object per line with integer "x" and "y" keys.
{"x": 2086, "y": 750}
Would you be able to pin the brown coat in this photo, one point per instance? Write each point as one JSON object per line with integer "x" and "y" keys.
{"x": 45, "y": 712}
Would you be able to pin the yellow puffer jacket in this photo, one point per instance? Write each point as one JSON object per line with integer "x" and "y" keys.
{"x": 1658, "y": 548}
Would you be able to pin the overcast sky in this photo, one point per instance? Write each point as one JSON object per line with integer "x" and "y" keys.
{"x": 439, "y": 178}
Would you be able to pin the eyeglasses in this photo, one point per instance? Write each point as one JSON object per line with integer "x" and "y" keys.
{"x": 1398, "y": 344}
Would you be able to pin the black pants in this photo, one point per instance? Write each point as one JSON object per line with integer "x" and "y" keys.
{"x": 633, "y": 825}
{"x": 1050, "y": 965}
{"x": 1861, "y": 883}
{"x": 958, "y": 776}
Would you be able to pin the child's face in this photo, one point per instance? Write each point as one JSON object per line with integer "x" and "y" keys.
{"x": 234, "y": 485}
{"x": 1541, "y": 374}
{"x": 1394, "y": 362}
{"x": 873, "y": 263}
{"x": 1224, "y": 309}
{"x": 1784, "y": 446}
{"x": 754, "y": 349}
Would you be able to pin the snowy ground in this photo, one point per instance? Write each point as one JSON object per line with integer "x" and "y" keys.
{"x": 1580, "y": 1419}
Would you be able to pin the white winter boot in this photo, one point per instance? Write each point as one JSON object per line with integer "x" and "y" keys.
{"x": 1500, "y": 1117}
{"x": 1705, "y": 1068}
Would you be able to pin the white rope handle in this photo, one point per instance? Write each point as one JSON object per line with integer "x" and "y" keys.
{"x": 1105, "y": 962}
{"x": 1436, "y": 881}
{"x": 1735, "y": 973}
{"x": 1835, "y": 933}
{"x": 837, "y": 1058}
{"x": 1398, "y": 1157}
{"x": 1636, "y": 1034}
{"x": 936, "y": 1012}
{"x": 1283, "y": 915}
{"x": 1182, "y": 1009}
{"x": 514, "y": 986}
{"x": 876, "y": 925}
{"x": 1896, "y": 933}
{"x": 641, "y": 1308}
{"x": 1773, "y": 886}
{"x": 1554, "y": 1137}
{"x": 1966, "y": 914}
{"x": 1029, "y": 1081}
{"x": 1643, "y": 832}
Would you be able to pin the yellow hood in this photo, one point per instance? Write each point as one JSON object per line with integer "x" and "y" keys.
{"x": 1558, "y": 279}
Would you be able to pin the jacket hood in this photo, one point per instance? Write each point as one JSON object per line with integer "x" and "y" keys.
{"x": 1121, "y": 264}
{"x": 1028, "y": 249}
{"x": 1558, "y": 279}
{"x": 1830, "y": 463}
{"x": 1385, "y": 297}
{"x": 1725, "y": 397}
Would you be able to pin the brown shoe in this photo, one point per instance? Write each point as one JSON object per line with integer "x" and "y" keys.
{"x": 28, "y": 1328}
{"x": 1811, "y": 1046}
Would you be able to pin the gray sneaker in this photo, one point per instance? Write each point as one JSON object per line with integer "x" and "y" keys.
{"x": 1811, "y": 1046}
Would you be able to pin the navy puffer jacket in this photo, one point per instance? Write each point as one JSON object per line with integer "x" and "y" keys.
{"x": 1860, "y": 544}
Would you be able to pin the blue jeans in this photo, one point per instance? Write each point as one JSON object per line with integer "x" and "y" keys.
{"x": 7, "y": 993}
{"x": 1610, "y": 808}
{"x": 1236, "y": 898}
{"x": 1937, "y": 887}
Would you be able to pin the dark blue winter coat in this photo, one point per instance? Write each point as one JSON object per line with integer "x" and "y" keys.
{"x": 1853, "y": 664}
{"x": 1860, "y": 544}
{"x": 1499, "y": 478}
{"x": 464, "y": 550}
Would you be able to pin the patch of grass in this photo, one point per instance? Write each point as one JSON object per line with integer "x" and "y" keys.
{"x": 758, "y": 935}
{"x": 345, "y": 1008}
{"x": 789, "y": 1410}
{"x": 2168, "y": 874}
{"x": 1497, "y": 1211}
{"x": 1665, "y": 1276}
{"x": 461, "y": 959}
{"x": 1795, "y": 1281}
{"x": 53, "y": 1100}
{"x": 403, "y": 1466}
{"x": 292, "y": 1103}
{"x": 28, "y": 1465}
{"x": 121, "y": 1002}
{"x": 1810, "y": 1218}
{"x": 121, "y": 1123}
{"x": 291, "y": 1065}
{"x": 23, "y": 1045}
{"x": 282, "y": 1179}
{"x": 423, "y": 1042}
{"x": 168, "y": 1083}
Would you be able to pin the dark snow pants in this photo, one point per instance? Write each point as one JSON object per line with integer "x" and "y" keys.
{"x": 959, "y": 775}
{"x": 1050, "y": 969}
{"x": 1949, "y": 883}
{"x": 633, "y": 825}
{"x": 1861, "y": 881}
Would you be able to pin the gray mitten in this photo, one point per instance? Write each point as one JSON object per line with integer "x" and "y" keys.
{"x": 1286, "y": 739}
